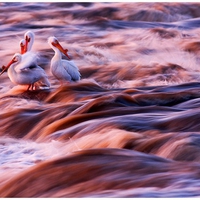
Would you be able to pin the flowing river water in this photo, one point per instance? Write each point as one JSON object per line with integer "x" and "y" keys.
{"x": 129, "y": 128}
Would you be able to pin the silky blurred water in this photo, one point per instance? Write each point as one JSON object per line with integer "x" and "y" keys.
{"x": 129, "y": 127}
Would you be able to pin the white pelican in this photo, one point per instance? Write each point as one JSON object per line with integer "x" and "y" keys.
{"x": 26, "y": 46}
{"x": 63, "y": 70}
{"x": 25, "y": 72}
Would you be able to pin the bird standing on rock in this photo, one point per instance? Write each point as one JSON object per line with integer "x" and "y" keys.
{"x": 26, "y": 46}
{"x": 63, "y": 70}
{"x": 24, "y": 71}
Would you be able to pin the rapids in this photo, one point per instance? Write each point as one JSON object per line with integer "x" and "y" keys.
{"x": 129, "y": 128}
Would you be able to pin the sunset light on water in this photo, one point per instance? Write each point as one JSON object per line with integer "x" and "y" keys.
{"x": 117, "y": 117}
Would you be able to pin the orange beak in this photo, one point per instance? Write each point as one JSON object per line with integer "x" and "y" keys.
{"x": 23, "y": 49}
{"x": 26, "y": 44}
{"x": 64, "y": 51}
{"x": 4, "y": 68}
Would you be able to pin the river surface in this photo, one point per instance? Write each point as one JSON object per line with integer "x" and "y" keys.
{"x": 129, "y": 128}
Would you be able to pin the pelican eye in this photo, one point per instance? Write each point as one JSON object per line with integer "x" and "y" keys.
{"x": 55, "y": 42}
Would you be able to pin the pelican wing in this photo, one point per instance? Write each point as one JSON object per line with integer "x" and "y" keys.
{"x": 29, "y": 62}
{"x": 26, "y": 67}
{"x": 71, "y": 69}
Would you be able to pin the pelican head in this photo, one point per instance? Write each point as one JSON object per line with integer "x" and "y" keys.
{"x": 53, "y": 42}
{"x": 23, "y": 46}
{"x": 29, "y": 38}
{"x": 16, "y": 59}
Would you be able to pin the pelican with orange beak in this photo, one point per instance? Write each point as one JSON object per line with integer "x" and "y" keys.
{"x": 26, "y": 46}
{"x": 25, "y": 71}
{"x": 63, "y": 70}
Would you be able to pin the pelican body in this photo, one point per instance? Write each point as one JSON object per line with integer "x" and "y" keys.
{"x": 26, "y": 46}
{"x": 25, "y": 71}
{"x": 63, "y": 70}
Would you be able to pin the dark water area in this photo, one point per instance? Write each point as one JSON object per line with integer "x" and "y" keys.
{"x": 130, "y": 126}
